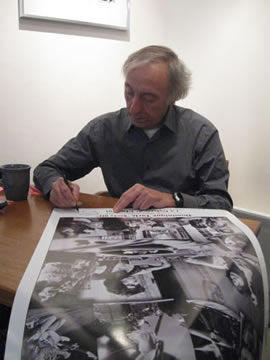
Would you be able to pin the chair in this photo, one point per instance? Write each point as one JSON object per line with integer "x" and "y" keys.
{"x": 102, "y": 193}
{"x": 254, "y": 225}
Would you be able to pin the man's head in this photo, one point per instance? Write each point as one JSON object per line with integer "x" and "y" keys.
{"x": 236, "y": 280}
{"x": 155, "y": 78}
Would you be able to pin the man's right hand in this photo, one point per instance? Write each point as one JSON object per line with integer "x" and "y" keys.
{"x": 62, "y": 196}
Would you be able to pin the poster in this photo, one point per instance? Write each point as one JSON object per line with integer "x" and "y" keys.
{"x": 102, "y": 13}
{"x": 161, "y": 284}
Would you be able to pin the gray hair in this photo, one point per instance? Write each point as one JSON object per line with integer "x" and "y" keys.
{"x": 179, "y": 75}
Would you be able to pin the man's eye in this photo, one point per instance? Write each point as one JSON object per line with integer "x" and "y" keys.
{"x": 149, "y": 98}
{"x": 129, "y": 93}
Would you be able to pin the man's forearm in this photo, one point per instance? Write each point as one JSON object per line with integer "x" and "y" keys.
{"x": 212, "y": 200}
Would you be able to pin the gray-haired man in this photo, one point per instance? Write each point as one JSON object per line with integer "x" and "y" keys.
{"x": 152, "y": 153}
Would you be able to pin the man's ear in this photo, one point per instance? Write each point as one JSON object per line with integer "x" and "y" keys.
{"x": 170, "y": 102}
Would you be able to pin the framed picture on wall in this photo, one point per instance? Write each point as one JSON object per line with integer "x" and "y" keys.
{"x": 103, "y": 13}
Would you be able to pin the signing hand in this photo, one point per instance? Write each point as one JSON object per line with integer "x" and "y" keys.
{"x": 142, "y": 198}
{"x": 64, "y": 197}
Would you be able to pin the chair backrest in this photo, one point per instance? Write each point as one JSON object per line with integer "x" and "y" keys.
{"x": 102, "y": 193}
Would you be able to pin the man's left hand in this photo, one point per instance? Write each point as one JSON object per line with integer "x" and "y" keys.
{"x": 142, "y": 198}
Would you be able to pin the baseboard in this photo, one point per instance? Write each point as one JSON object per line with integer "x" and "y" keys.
{"x": 255, "y": 214}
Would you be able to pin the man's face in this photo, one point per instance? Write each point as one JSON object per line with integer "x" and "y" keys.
{"x": 237, "y": 280}
{"x": 130, "y": 282}
{"x": 146, "y": 94}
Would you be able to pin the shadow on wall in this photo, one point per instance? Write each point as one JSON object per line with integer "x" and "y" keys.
{"x": 73, "y": 29}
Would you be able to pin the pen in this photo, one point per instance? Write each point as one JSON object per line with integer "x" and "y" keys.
{"x": 67, "y": 183}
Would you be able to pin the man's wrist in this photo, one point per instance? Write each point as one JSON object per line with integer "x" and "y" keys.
{"x": 178, "y": 198}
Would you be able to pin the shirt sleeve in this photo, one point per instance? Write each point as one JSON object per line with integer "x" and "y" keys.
{"x": 75, "y": 159}
{"x": 211, "y": 172}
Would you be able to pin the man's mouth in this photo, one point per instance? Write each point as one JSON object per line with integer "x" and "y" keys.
{"x": 138, "y": 118}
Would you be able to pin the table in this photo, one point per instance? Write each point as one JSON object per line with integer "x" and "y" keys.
{"x": 21, "y": 227}
{"x": 254, "y": 225}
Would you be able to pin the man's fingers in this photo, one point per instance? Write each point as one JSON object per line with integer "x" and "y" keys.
{"x": 64, "y": 196}
{"x": 65, "y": 191}
{"x": 142, "y": 202}
{"x": 126, "y": 199}
{"x": 137, "y": 196}
{"x": 142, "y": 198}
{"x": 121, "y": 204}
{"x": 75, "y": 191}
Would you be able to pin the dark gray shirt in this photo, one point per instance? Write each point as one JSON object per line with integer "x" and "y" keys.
{"x": 184, "y": 155}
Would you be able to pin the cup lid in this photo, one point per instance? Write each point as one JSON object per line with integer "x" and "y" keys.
{"x": 15, "y": 166}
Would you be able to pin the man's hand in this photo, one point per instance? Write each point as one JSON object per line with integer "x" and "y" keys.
{"x": 64, "y": 197}
{"x": 142, "y": 198}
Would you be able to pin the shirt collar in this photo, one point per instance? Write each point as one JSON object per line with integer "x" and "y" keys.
{"x": 126, "y": 124}
{"x": 169, "y": 121}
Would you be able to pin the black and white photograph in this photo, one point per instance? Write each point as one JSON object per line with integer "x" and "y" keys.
{"x": 141, "y": 287}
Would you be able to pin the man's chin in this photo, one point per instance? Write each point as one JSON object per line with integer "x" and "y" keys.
{"x": 140, "y": 123}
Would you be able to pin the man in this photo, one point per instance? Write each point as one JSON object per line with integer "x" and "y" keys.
{"x": 151, "y": 153}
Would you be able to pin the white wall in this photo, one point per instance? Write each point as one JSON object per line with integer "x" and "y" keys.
{"x": 226, "y": 45}
{"x": 56, "y": 77}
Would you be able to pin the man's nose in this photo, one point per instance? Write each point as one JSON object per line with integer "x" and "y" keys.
{"x": 135, "y": 105}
